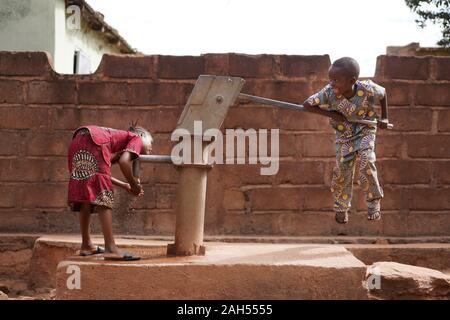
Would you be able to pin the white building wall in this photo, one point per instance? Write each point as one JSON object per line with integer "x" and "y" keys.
{"x": 40, "y": 25}
{"x": 27, "y": 25}
{"x": 68, "y": 41}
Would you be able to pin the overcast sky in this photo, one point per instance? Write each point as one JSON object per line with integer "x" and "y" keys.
{"x": 358, "y": 28}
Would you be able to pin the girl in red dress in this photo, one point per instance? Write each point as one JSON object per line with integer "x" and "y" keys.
{"x": 91, "y": 153}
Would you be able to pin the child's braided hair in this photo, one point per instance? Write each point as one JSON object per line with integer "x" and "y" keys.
{"x": 143, "y": 133}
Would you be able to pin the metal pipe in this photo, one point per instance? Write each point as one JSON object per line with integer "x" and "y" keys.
{"x": 296, "y": 107}
{"x": 190, "y": 209}
{"x": 271, "y": 102}
{"x": 155, "y": 158}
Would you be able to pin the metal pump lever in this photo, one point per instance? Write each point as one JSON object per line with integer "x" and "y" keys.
{"x": 297, "y": 107}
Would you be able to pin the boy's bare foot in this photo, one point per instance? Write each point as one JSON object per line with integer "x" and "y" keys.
{"x": 341, "y": 217}
{"x": 374, "y": 216}
{"x": 374, "y": 210}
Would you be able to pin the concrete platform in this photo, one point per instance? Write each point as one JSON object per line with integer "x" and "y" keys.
{"x": 49, "y": 250}
{"x": 34, "y": 259}
{"x": 228, "y": 271}
{"x": 427, "y": 255}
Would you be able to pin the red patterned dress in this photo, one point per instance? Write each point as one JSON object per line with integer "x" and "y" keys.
{"x": 90, "y": 164}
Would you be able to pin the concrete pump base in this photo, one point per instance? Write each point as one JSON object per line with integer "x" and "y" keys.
{"x": 227, "y": 271}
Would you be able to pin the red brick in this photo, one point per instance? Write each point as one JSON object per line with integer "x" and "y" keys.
{"x": 411, "y": 119}
{"x": 48, "y": 144}
{"x": 289, "y": 91}
{"x": 304, "y": 224}
{"x": 251, "y": 66}
{"x": 301, "y": 121}
{"x": 162, "y": 145}
{"x": 444, "y": 121}
{"x": 393, "y": 224}
{"x": 429, "y": 199}
{"x": 163, "y": 120}
{"x": 316, "y": 198}
{"x": 159, "y": 173}
{"x": 410, "y": 68}
{"x": 125, "y": 66}
{"x": 394, "y": 198}
{"x": 8, "y": 196}
{"x": 11, "y": 91}
{"x": 388, "y": 145}
{"x": 186, "y": 90}
{"x": 436, "y": 94}
{"x": 161, "y": 93}
{"x": 379, "y": 68}
{"x": 275, "y": 199}
{"x": 180, "y": 67}
{"x": 261, "y": 223}
{"x": 217, "y": 64}
{"x": 305, "y": 66}
{"x": 23, "y": 170}
{"x": 57, "y": 170}
{"x": 291, "y": 145}
{"x": 442, "y": 68}
{"x": 441, "y": 171}
{"x": 103, "y": 93}
{"x": 60, "y": 91}
{"x": 120, "y": 117}
{"x": 148, "y": 200}
{"x": 68, "y": 222}
{"x": 166, "y": 197}
{"x": 304, "y": 172}
{"x": 250, "y": 117}
{"x": 71, "y": 118}
{"x": 404, "y": 171}
{"x": 429, "y": 224}
{"x": 24, "y": 221}
{"x": 44, "y": 196}
{"x": 318, "y": 145}
{"x": 24, "y": 64}
{"x": 12, "y": 142}
{"x": 242, "y": 174}
{"x": 398, "y": 93}
{"x": 234, "y": 200}
{"x": 428, "y": 146}
{"x": 24, "y": 118}
{"x": 160, "y": 223}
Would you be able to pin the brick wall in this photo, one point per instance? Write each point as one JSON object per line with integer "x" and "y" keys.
{"x": 40, "y": 109}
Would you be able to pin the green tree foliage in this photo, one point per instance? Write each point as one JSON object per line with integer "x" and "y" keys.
{"x": 436, "y": 12}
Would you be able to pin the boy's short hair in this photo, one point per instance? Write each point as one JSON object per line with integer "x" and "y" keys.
{"x": 349, "y": 65}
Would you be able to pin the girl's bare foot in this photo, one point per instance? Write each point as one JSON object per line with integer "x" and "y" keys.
{"x": 124, "y": 256}
{"x": 87, "y": 246}
{"x": 89, "y": 250}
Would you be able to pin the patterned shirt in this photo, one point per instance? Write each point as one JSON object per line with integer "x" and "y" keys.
{"x": 360, "y": 106}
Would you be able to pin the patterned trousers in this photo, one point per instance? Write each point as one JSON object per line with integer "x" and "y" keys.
{"x": 344, "y": 171}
